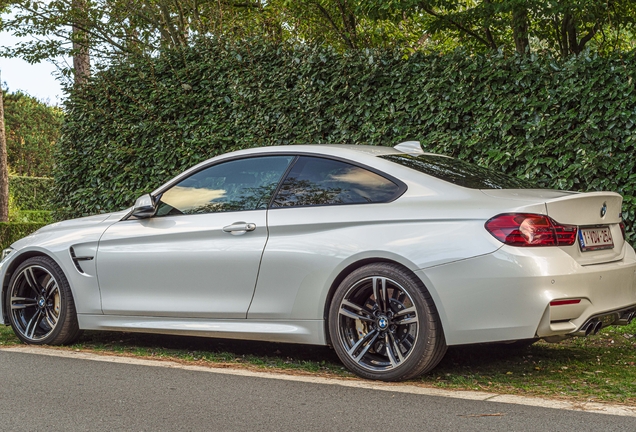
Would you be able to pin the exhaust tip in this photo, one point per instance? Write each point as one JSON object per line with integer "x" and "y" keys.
{"x": 589, "y": 328}
{"x": 597, "y": 327}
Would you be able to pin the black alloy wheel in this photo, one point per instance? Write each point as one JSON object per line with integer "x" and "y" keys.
{"x": 40, "y": 303}
{"x": 383, "y": 324}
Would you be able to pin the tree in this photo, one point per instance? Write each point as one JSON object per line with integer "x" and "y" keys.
{"x": 99, "y": 31}
{"x": 79, "y": 38}
{"x": 106, "y": 29}
{"x": 4, "y": 169}
{"x": 31, "y": 129}
{"x": 563, "y": 27}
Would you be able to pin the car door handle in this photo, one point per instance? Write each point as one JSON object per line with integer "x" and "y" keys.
{"x": 239, "y": 228}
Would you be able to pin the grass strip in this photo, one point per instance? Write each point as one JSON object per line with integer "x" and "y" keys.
{"x": 596, "y": 368}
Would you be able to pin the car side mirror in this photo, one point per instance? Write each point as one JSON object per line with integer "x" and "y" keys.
{"x": 144, "y": 207}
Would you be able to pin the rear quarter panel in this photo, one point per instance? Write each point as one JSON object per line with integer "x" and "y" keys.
{"x": 309, "y": 247}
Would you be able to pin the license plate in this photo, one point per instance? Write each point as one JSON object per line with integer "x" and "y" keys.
{"x": 597, "y": 238}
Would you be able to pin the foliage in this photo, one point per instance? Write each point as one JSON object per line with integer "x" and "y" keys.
{"x": 30, "y": 193}
{"x": 111, "y": 28}
{"x": 31, "y": 216}
{"x": 566, "y": 125}
{"x": 10, "y": 232}
{"x": 562, "y": 27}
{"x": 60, "y": 28}
{"x": 32, "y": 128}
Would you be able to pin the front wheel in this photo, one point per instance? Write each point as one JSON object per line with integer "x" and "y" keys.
{"x": 384, "y": 325}
{"x": 40, "y": 303}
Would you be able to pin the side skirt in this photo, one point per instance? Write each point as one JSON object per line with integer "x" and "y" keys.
{"x": 310, "y": 332}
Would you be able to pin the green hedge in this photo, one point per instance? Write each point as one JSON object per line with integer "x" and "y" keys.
{"x": 11, "y": 232}
{"x": 32, "y": 128}
{"x": 31, "y": 216}
{"x": 566, "y": 125}
{"x": 31, "y": 193}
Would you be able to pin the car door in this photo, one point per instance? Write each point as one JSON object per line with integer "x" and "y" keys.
{"x": 324, "y": 211}
{"x": 199, "y": 256}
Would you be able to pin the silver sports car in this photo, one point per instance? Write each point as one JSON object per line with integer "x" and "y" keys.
{"x": 387, "y": 254}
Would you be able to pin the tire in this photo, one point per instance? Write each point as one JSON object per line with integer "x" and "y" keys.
{"x": 394, "y": 338}
{"x": 40, "y": 304}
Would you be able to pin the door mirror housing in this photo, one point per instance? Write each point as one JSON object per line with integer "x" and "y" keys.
{"x": 144, "y": 207}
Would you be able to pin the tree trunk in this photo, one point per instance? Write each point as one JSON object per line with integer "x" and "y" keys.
{"x": 520, "y": 30}
{"x": 572, "y": 36}
{"x": 81, "y": 56}
{"x": 4, "y": 168}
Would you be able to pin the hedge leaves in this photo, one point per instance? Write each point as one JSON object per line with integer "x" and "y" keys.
{"x": 565, "y": 125}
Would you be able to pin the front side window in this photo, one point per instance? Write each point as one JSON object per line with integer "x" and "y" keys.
{"x": 316, "y": 181}
{"x": 244, "y": 184}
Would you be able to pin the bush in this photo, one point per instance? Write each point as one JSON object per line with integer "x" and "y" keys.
{"x": 31, "y": 216}
{"x": 31, "y": 193}
{"x": 563, "y": 124}
{"x": 32, "y": 128}
{"x": 11, "y": 232}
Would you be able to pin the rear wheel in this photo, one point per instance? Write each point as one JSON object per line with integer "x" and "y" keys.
{"x": 383, "y": 324}
{"x": 40, "y": 303}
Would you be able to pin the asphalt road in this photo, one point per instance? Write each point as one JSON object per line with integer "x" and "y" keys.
{"x": 43, "y": 393}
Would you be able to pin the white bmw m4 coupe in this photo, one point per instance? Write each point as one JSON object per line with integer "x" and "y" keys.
{"x": 389, "y": 255}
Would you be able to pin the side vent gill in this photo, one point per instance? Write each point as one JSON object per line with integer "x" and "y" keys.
{"x": 76, "y": 260}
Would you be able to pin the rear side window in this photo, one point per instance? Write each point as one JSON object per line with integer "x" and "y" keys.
{"x": 314, "y": 181}
{"x": 459, "y": 172}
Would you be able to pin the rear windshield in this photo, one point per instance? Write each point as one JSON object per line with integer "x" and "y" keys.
{"x": 459, "y": 172}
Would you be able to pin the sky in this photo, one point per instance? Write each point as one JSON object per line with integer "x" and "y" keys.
{"x": 37, "y": 80}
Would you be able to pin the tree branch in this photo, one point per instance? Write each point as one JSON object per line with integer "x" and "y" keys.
{"x": 457, "y": 25}
{"x": 334, "y": 25}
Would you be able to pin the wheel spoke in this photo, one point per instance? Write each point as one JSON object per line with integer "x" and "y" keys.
{"x": 380, "y": 293}
{"x": 354, "y": 315}
{"x": 407, "y": 320}
{"x": 26, "y": 302}
{"x": 405, "y": 311}
{"x": 360, "y": 311}
{"x": 395, "y": 345}
{"x": 51, "y": 287}
{"x": 29, "y": 276}
{"x": 50, "y": 318}
{"x": 389, "y": 351}
{"x": 385, "y": 297}
{"x": 367, "y": 346}
{"x": 372, "y": 334}
{"x": 376, "y": 294}
{"x": 33, "y": 324}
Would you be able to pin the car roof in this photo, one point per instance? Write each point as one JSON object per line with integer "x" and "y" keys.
{"x": 360, "y": 153}
{"x": 326, "y": 149}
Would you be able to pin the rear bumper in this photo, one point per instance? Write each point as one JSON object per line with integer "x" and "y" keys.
{"x": 506, "y": 295}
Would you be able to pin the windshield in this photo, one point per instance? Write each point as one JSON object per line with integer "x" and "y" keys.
{"x": 459, "y": 172}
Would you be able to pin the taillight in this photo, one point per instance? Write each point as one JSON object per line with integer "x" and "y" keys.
{"x": 527, "y": 229}
{"x": 622, "y": 225}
